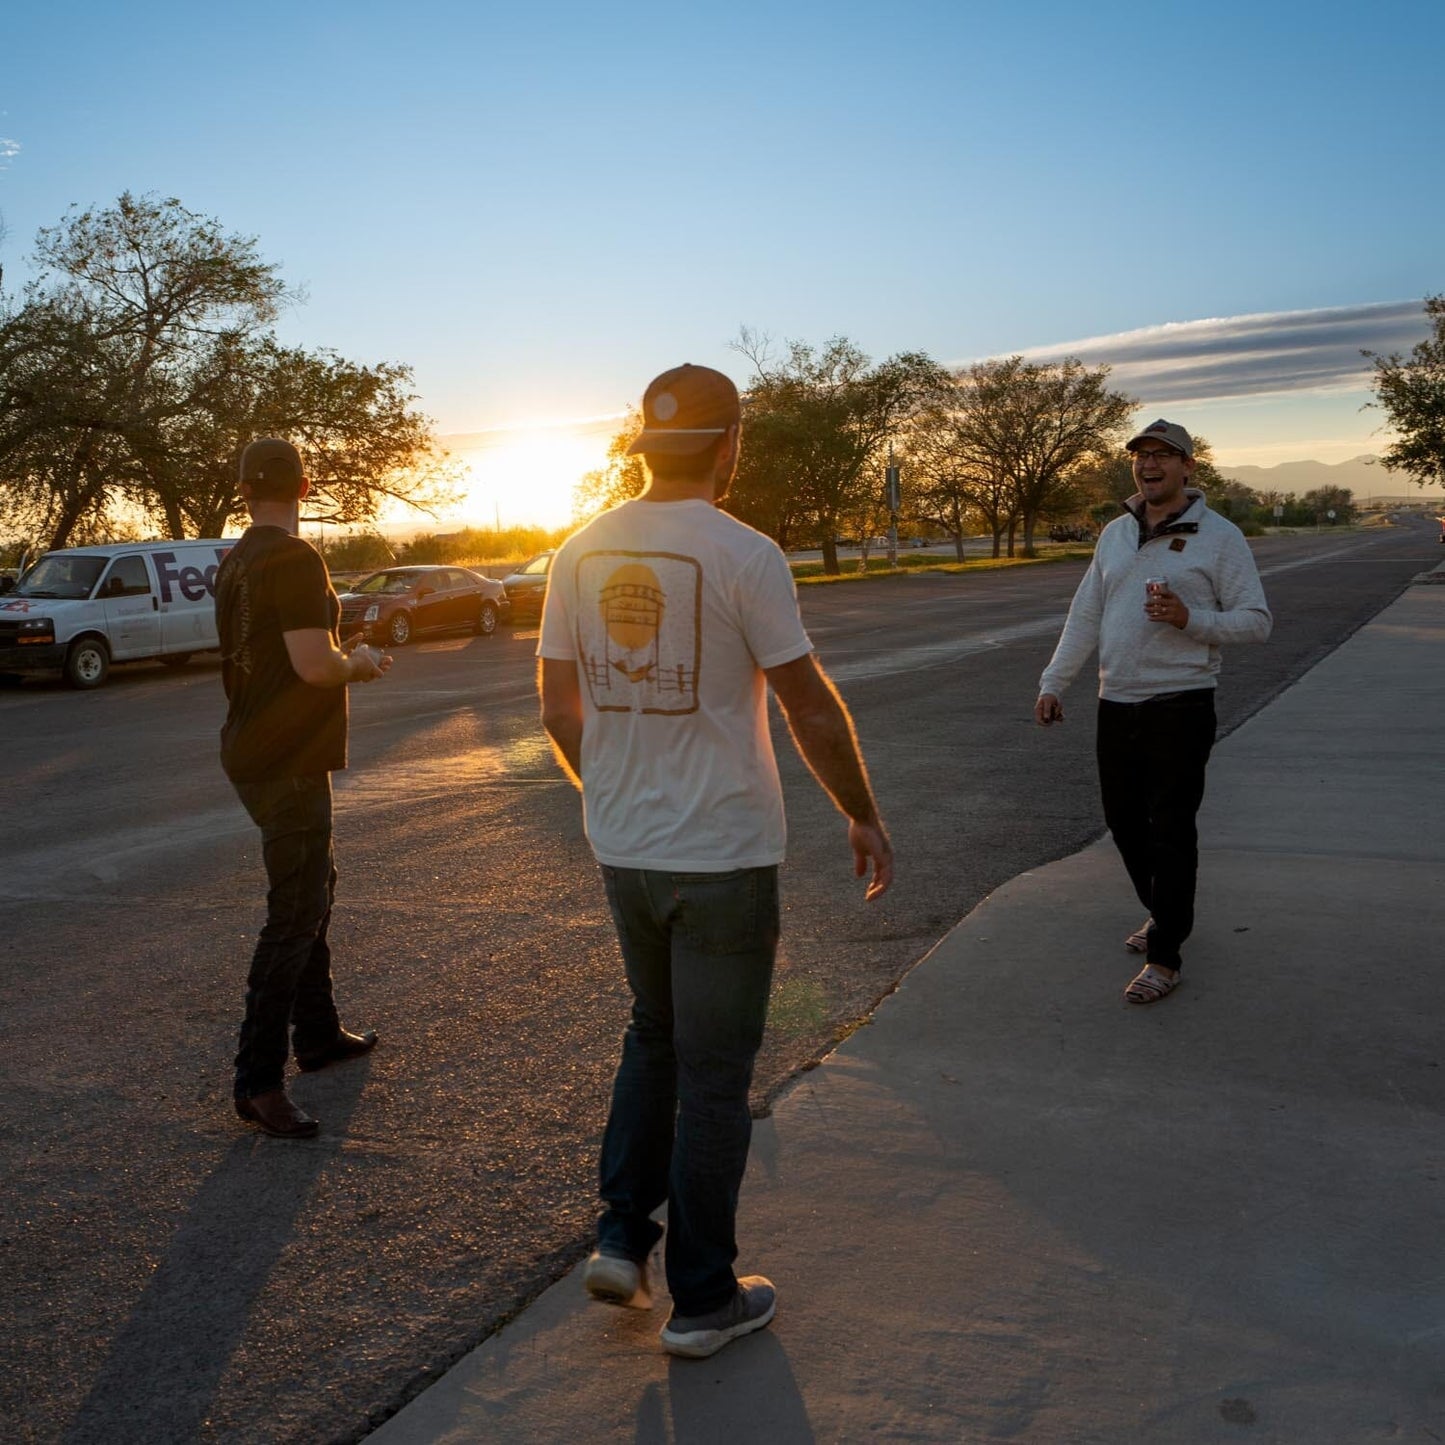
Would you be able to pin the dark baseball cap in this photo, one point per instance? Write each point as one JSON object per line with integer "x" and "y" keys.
{"x": 686, "y": 410}
{"x": 1168, "y": 432}
{"x": 272, "y": 464}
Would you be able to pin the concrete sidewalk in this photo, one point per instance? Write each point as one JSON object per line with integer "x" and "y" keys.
{"x": 1015, "y": 1208}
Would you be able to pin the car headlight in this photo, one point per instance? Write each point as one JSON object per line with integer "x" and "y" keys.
{"x": 372, "y": 612}
{"x": 36, "y": 629}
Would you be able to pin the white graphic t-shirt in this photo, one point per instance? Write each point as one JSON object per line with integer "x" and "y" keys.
{"x": 671, "y": 610}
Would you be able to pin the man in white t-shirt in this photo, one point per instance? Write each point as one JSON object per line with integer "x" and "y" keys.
{"x": 665, "y": 622}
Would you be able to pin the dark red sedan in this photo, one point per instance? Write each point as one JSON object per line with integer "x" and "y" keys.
{"x": 393, "y": 606}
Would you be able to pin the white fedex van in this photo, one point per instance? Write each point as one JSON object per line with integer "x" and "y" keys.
{"x": 82, "y": 609}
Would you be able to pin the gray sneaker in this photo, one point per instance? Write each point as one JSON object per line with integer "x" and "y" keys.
{"x": 699, "y": 1336}
{"x": 616, "y": 1280}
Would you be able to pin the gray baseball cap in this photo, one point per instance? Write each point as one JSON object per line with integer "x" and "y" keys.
{"x": 272, "y": 463}
{"x": 1168, "y": 432}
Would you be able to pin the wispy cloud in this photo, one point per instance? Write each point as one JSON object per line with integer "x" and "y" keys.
{"x": 506, "y": 434}
{"x": 1256, "y": 355}
{"x": 9, "y": 149}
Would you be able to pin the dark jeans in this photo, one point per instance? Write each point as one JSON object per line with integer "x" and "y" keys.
{"x": 290, "y": 979}
{"x": 699, "y": 954}
{"x": 1152, "y": 757}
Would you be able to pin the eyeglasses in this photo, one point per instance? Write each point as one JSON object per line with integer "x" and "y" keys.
{"x": 1155, "y": 454}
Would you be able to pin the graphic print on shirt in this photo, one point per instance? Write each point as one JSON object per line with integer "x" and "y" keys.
{"x": 240, "y": 654}
{"x": 639, "y": 630}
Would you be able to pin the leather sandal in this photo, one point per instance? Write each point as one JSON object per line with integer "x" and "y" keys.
{"x": 1151, "y": 984}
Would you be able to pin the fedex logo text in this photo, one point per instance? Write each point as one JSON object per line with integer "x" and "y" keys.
{"x": 193, "y": 583}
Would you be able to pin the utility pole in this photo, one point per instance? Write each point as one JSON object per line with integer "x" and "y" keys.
{"x": 894, "y": 502}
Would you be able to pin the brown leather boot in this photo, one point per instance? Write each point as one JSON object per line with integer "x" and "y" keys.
{"x": 277, "y": 1115}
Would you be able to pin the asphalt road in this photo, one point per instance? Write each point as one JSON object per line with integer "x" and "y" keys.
{"x": 167, "y": 1274}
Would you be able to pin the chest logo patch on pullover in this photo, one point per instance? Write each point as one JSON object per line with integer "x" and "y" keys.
{"x": 1177, "y": 545}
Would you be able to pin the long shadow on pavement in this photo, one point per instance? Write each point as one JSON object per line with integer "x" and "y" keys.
{"x": 166, "y": 1363}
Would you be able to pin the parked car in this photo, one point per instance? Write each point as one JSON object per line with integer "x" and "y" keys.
{"x": 393, "y": 606}
{"x": 527, "y": 586}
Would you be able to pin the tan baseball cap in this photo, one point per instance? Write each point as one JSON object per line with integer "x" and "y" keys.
{"x": 686, "y": 410}
{"x": 1168, "y": 432}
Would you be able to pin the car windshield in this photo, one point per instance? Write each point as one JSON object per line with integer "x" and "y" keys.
{"x": 61, "y": 576}
{"x": 537, "y": 567}
{"x": 389, "y": 582}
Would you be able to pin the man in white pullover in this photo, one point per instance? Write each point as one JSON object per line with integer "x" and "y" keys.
{"x": 1158, "y": 664}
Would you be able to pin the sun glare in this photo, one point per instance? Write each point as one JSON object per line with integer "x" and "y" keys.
{"x": 527, "y": 477}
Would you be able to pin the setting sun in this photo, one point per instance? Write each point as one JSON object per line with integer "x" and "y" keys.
{"x": 526, "y": 475}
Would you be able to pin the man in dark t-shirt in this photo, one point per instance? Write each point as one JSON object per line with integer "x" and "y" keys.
{"x": 285, "y": 677}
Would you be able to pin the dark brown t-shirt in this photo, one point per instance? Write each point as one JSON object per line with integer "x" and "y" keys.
{"x": 276, "y": 725}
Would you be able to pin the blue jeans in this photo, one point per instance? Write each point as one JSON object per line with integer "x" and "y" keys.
{"x": 1152, "y": 757}
{"x": 290, "y": 979}
{"x": 699, "y": 953}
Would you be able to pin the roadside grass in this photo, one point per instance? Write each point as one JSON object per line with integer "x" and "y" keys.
{"x": 1311, "y": 530}
{"x": 799, "y": 1006}
{"x": 812, "y": 574}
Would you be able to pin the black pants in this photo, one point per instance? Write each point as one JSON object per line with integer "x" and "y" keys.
{"x": 1152, "y": 757}
{"x": 290, "y": 979}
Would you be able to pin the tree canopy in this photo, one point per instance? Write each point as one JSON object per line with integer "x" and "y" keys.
{"x": 1411, "y": 392}
{"x": 1008, "y": 439}
{"x": 140, "y": 360}
{"x": 952, "y": 473}
{"x": 816, "y": 424}
{"x": 620, "y": 477}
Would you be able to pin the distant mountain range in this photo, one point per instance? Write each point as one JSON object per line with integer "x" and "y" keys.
{"x": 1363, "y": 475}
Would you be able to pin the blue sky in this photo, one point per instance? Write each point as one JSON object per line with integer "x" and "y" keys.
{"x": 539, "y": 207}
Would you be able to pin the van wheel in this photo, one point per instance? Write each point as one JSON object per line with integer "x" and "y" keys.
{"x": 87, "y": 664}
{"x": 487, "y": 619}
{"x": 176, "y": 659}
